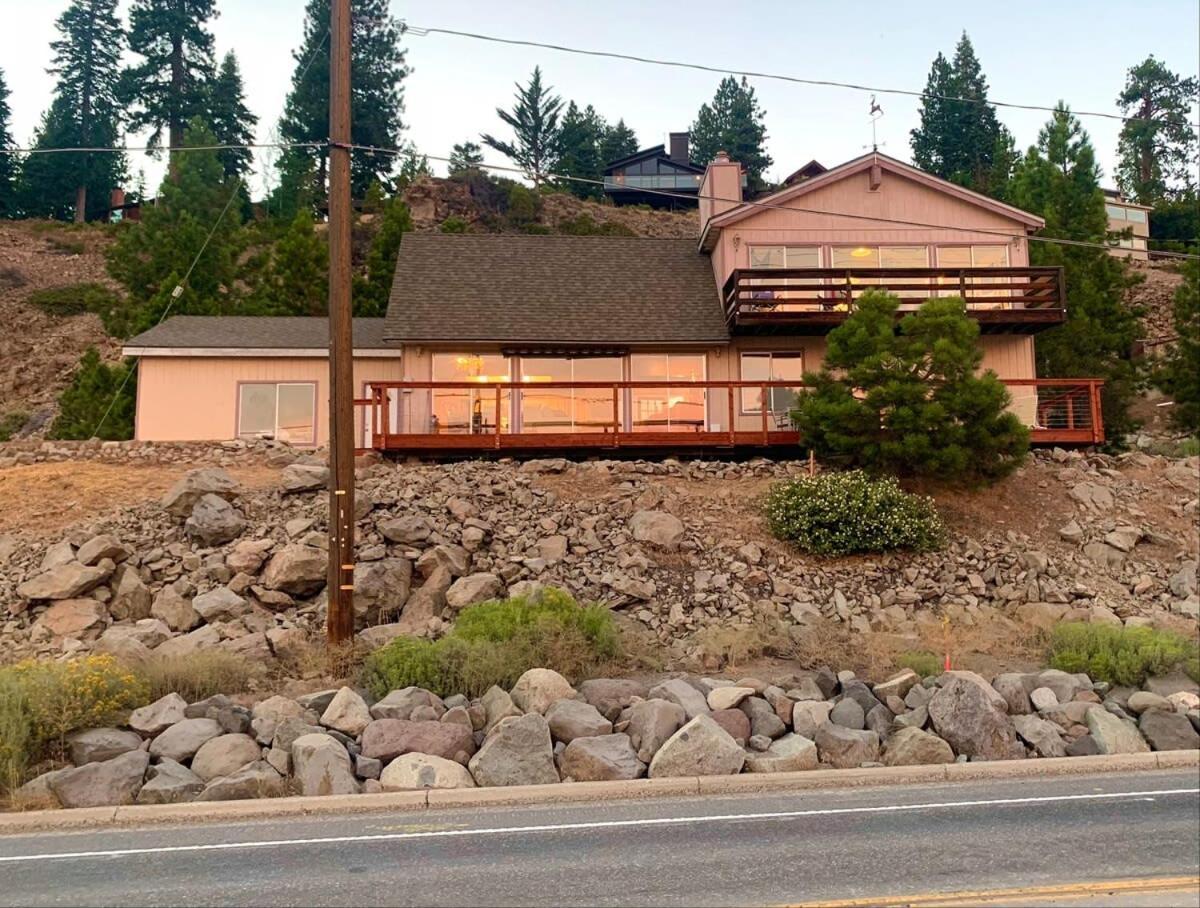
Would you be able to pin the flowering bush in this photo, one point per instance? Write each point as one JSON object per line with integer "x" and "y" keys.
{"x": 846, "y": 513}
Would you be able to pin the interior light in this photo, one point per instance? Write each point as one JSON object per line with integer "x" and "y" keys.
{"x": 861, "y": 252}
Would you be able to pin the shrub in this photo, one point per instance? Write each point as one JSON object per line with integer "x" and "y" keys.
{"x": 922, "y": 662}
{"x": 454, "y": 224}
{"x": 75, "y": 299}
{"x": 1121, "y": 655}
{"x": 494, "y": 643}
{"x": 11, "y": 423}
{"x": 847, "y": 513}
{"x": 197, "y": 676}
{"x": 99, "y": 401}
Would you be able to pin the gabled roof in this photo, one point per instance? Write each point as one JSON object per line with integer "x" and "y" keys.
{"x": 241, "y": 332}
{"x": 586, "y": 290}
{"x": 865, "y": 162}
{"x": 658, "y": 151}
{"x": 812, "y": 169}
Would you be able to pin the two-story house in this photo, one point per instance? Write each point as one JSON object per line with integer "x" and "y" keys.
{"x": 1129, "y": 223}
{"x": 644, "y": 177}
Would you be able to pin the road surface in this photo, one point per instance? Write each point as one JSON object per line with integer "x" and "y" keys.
{"x": 1061, "y": 841}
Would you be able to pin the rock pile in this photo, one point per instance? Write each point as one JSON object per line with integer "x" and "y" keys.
{"x": 545, "y": 731}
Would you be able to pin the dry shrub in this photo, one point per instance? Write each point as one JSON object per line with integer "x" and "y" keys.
{"x": 736, "y": 644}
{"x": 316, "y": 657}
{"x": 198, "y": 675}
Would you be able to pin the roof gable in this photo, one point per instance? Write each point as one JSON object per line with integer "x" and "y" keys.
{"x": 658, "y": 151}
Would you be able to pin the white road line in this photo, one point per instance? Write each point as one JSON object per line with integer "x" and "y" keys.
{"x": 597, "y": 824}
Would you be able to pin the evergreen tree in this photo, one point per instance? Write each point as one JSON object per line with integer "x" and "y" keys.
{"x": 1180, "y": 375}
{"x": 8, "y": 160}
{"x": 962, "y": 141}
{"x": 534, "y": 122}
{"x": 231, "y": 120}
{"x": 1060, "y": 180}
{"x": 295, "y": 191}
{"x": 733, "y": 123}
{"x": 95, "y": 387}
{"x": 372, "y": 289}
{"x": 619, "y": 142}
{"x": 413, "y": 166}
{"x": 464, "y": 157}
{"x": 579, "y": 139}
{"x": 378, "y": 70}
{"x": 296, "y": 279}
{"x": 153, "y": 256}
{"x": 170, "y": 86}
{"x": 1158, "y": 150}
{"x": 910, "y": 401}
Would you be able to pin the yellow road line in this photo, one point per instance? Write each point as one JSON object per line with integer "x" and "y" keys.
{"x": 983, "y": 896}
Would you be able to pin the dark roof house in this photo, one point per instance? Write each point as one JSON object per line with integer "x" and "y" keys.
{"x": 644, "y": 178}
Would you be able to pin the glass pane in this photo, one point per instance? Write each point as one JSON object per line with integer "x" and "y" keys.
{"x": 674, "y": 408}
{"x": 547, "y": 410}
{"x": 594, "y": 406}
{"x": 1136, "y": 215}
{"x": 903, "y": 257}
{"x": 954, "y": 256}
{"x": 467, "y": 410}
{"x": 989, "y": 256}
{"x": 296, "y": 406}
{"x": 786, "y": 367}
{"x": 803, "y": 257}
{"x": 766, "y": 257}
{"x": 854, "y": 257}
{"x": 1116, "y": 212}
{"x": 256, "y": 410}
{"x": 755, "y": 367}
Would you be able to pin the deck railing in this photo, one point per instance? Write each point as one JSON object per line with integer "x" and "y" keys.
{"x": 693, "y": 416}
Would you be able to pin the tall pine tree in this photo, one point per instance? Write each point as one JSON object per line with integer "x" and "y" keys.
{"x": 534, "y": 122}
{"x": 230, "y": 119}
{"x": 1059, "y": 179}
{"x": 8, "y": 160}
{"x": 579, "y": 139}
{"x": 961, "y": 140}
{"x": 1158, "y": 150}
{"x": 619, "y": 142}
{"x": 465, "y": 157}
{"x": 733, "y": 123}
{"x": 170, "y": 85}
{"x": 378, "y": 70}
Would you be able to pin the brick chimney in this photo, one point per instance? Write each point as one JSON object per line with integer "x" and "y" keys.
{"x": 721, "y": 188}
{"x": 679, "y": 148}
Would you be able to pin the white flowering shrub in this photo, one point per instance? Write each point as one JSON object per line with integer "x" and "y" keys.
{"x": 848, "y": 513}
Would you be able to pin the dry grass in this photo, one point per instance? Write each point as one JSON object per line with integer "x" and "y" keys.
{"x": 199, "y": 675}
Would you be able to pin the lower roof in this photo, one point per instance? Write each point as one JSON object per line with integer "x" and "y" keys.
{"x": 244, "y": 332}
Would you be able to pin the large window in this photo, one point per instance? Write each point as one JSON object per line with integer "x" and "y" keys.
{"x": 284, "y": 411}
{"x": 785, "y": 257}
{"x": 569, "y": 409}
{"x": 1121, "y": 213}
{"x": 974, "y": 257}
{"x": 770, "y": 366}
{"x": 670, "y": 408}
{"x": 470, "y": 410}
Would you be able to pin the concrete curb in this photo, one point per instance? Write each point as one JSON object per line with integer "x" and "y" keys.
{"x": 545, "y": 795}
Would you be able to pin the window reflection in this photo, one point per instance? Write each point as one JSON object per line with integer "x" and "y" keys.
{"x": 671, "y": 408}
{"x": 568, "y": 409}
{"x": 469, "y": 410}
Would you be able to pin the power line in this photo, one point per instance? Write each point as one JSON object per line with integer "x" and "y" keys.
{"x": 172, "y": 149}
{"x": 421, "y": 32}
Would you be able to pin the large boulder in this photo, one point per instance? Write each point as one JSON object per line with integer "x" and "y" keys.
{"x": 679, "y": 691}
{"x": 385, "y": 739}
{"x": 611, "y": 695}
{"x": 82, "y": 619}
{"x": 67, "y": 581}
{"x": 1168, "y": 730}
{"x": 321, "y": 766}
{"x": 347, "y": 712}
{"x": 94, "y": 745}
{"x": 214, "y": 521}
{"x": 454, "y": 559}
{"x": 168, "y": 782}
{"x": 472, "y": 589}
{"x": 158, "y": 716}
{"x": 100, "y": 547}
{"x": 258, "y": 780}
{"x": 1112, "y": 734}
{"x": 809, "y": 715}
{"x": 131, "y": 600}
{"x": 657, "y": 528}
{"x": 970, "y": 716}
{"x": 791, "y": 753}
{"x": 181, "y": 741}
{"x": 518, "y": 751}
{"x": 408, "y": 530}
{"x": 700, "y": 748}
{"x": 220, "y": 604}
{"x": 304, "y": 477}
{"x": 897, "y": 685}
{"x": 914, "y": 747}
{"x": 201, "y": 638}
{"x": 728, "y": 697}
{"x": 650, "y": 723}
{"x": 846, "y": 748}
{"x": 182, "y": 496}
{"x": 174, "y": 610}
{"x": 497, "y": 704}
{"x": 381, "y": 588}
{"x": 400, "y": 704}
{"x": 1043, "y": 736}
{"x": 298, "y": 570}
{"x": 539, "y": 688}
{"x": 247, "y": 556}
{"x": 104, "y": 784}
{"x": 416, "y": 771}
{"x": 224, "y": 755}
{"x": 601, "y": 758}
{"x": 571, "y": 719}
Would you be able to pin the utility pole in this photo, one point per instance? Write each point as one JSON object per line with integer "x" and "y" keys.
{"x": 340, "y": 609}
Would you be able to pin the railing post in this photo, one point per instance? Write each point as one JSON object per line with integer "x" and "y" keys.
{"x": 1070, "y": 411}
{"x": 962, "y": 285}
{"x": 849, "y": 291}
{"x": 732, "y": 424}
{"x": 616, "y": 418}
{"x": 497, "y": 417}
{"x": 384, "y": 395}
{"x": 1097, "y": 413}
{"x": 763, "y": 407}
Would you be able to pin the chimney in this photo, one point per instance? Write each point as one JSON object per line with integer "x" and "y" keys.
{"x": 679, "y": 148}
{"x": 721, "y": 188}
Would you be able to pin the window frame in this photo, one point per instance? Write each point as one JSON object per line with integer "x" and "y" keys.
{"x": 242, "y": 385}
{"x": 770, "y": 356}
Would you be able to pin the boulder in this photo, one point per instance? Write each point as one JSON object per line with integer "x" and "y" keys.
{"x": 82, "y": 619}
{"x": 381, "y": 588}
{"x": 650, "y": 723}
{"x": 472, "y": 589}
{"x": 400, "y": 704}
{"x": 304, "y": 477}
{"x": 298, "y": 570}
{"x": 224, "y": 755}
{"x": 657, "y": 528}
{"x": 971, "y": 717}
{"x": 158, "y": 716}
{"x": 174, "y": 610}
{"x": 347, "y": 712}
{"x": 679, "y": 691}
{"x": 220, "y": 604}
{"x": 201, "y": 638}
{"x": 846, "y": 748}
{"x": 454, "y": 559}
{"x": 518, "y": 751}
{"x": 182, "y": 496}
{"x": 791, "y": 753}
{"x": 539, "y": 688}
{"x": 409, "y": 530}
{"x": 914, "y": 747}
{"x": 809, "y": 715}
{"x": 571, "y": 719}
{"x": 214, "y": 521}
{"x": 386, "y": 739}
{"x": 94, "y": 745}
{"x": 700, "y": 748}
{"x": 168, "y": 782}
{"x": 734, "y": 722}
{"x": 1015, "y": 688}
{"x": 848, "y": 714}
{"x": 728, "y": 697}
{"x": 248, "y": 555}
{"x": 131, "y": 600}
{"x": 497, "y": 705}
{"x": 1114, "y": 735}
{"x": 67, "y": 581}
{"x": 1168, "y": 730}
{"x": 1043, "y": 736}
{"x": 611, "y": 695}
{"x": 58, "y": 553}
{"x": 897, "y": 685}
{"x": 100, "y": 547}
{"x": 321, "y": 766}
{"x": 124, "y": 643}
{"x": 1142, "y": 700}
{"x": 413, "y": 771}
{"x": 258, "y": 780}
{"x": 1043, "y": 698}
{"x": 104, "y": 784}
{"x": 181, "y": 741}
{"x": 763, "y": 718}
{"x": 601, "y": 758}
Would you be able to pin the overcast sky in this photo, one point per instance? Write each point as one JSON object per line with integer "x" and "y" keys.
{"x": 1032, "y": 51}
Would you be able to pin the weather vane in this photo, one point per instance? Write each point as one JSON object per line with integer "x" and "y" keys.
{"x": 876, "y": 113}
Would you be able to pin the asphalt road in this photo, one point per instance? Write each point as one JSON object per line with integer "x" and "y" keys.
{"x": 746, "y": 849}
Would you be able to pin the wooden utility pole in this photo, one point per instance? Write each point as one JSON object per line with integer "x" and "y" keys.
{"x": 340, "y": 615}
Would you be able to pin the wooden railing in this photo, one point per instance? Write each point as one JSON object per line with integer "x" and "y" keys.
{"x": 400, "y": 416}
{"x": 778, "y": 295}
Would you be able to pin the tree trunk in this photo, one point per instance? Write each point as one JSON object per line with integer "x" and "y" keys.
{"x": 80, "y": 204}
{"x": 175, "y": 126}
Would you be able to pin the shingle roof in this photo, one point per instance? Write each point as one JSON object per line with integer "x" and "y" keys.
{"x": 248, "y": 332}
{"x": 553, "y": 289}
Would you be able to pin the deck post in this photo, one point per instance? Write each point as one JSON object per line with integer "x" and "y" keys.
{"x": 383, "y": 395}
{"x": 616, "y": 417}
{"x": 1097, "y": 414}
{"x": 732, "y": 424}
{"x": 763, "y": 407}
{"x": 962, "y": 285}
{"x": 497, "y": 417}
{"x": 1071, "y": 410}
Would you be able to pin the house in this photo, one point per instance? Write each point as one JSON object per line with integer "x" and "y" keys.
{"x": 1126, "y": 217}
{"x": 627, "y": 180}
{"x": 526, "y": 343}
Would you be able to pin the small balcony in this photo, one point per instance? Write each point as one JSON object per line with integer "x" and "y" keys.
{"x": 817, "y": 300}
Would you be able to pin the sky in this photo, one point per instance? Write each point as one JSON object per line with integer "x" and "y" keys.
{"x": 1031, "y": 52}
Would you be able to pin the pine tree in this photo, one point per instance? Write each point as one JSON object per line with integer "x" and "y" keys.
{"x": 464, "y": 157}
{"x": 1158, "y": 150}
{"x": 534, "y": 122}
{"x": 1060, "y": 180}
{"x": 961, "y": 140}
{"x": 153, "y": 256}
{"x": 372, "y": 289}
{"x": 231, "y": 120}
{"x": 8, "y": 160}
{"x": 295, "y": 191}
{"x": 579, "y": 139}
{"x": 98, "y": 392}
{"x": 170, "y": 85}
{"x": 619, "y": 142}
{"x": 378, "y": 70}
{"x": 297, "y": 277}
{"x": 733, "y": 123}
{"x": 1180, "y": 375}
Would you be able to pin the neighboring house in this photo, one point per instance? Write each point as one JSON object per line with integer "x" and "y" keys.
{"x": 626, "y": 181}
{"x": 525, "y": 343}
{"x": 1127, "y": 218}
